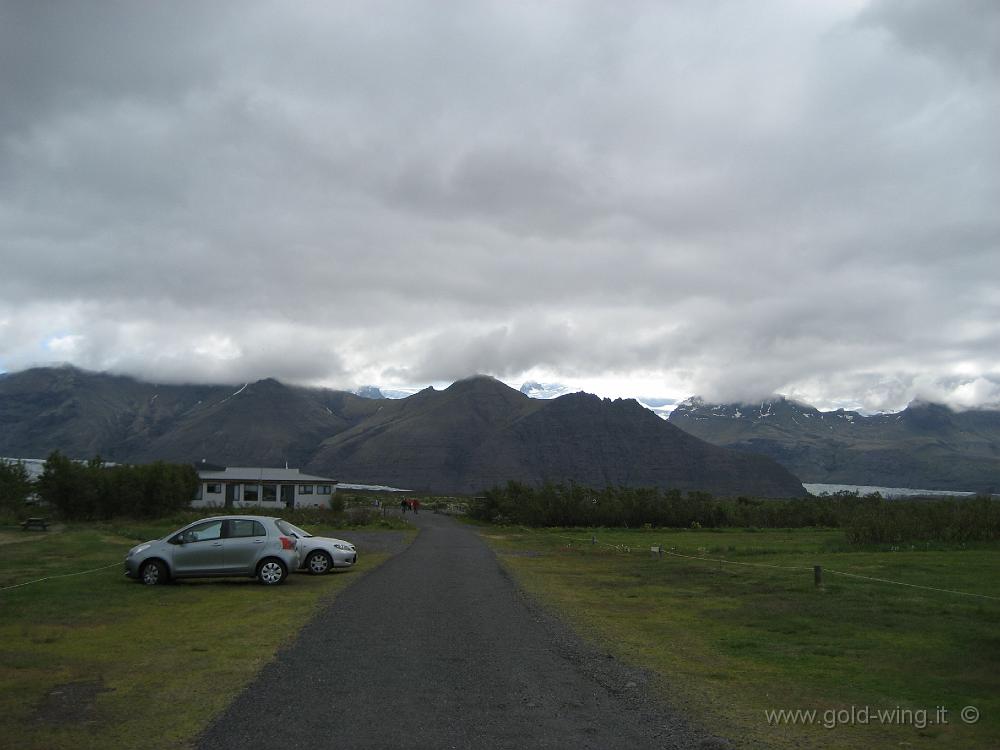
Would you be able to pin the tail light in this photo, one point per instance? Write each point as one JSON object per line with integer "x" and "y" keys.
{"x": 287, "y": 543}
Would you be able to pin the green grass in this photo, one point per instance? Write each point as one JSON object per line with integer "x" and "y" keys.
{"x": 732, "y": 641}
{"x": 99, "y": 661}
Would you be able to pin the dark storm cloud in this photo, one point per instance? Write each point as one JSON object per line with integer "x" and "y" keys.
{"x": 716, "y": 197}
{"x": 965, "y": 33}
{"x": 58, "y": 57}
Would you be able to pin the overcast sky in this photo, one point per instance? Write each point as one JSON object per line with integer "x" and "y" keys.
{"x": 634, "y": 198}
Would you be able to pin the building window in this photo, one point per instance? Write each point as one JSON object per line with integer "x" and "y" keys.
{"x": 213, "y": 488}
{"x": 270, "y": 493}
{"x": 324, "y": 489}
{"x": 305, "y": 489}
{"x": 251, "y": 493}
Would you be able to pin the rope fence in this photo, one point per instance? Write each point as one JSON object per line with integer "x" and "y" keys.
{"x": 911, "y": 585}
{"x": 818, "y": 570}
{"x": 61, "y": 575}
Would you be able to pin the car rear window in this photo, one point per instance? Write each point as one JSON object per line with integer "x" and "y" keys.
{"x": 242, "y": 527}
{"x": 299, "y": 532}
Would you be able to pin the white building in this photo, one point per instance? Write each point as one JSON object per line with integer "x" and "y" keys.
{"x": 257, "y": 487}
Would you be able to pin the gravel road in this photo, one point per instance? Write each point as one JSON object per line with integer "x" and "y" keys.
{"x": 438, "y": 648}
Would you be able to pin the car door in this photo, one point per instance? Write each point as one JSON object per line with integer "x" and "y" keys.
{"x": 198, "y": 550}
{"x": 245, "y": 541}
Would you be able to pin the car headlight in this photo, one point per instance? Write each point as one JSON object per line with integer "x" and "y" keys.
{"x": 345, "y": 547}
{"x": 136, "y": 550}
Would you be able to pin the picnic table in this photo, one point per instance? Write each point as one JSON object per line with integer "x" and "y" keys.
{"x": 36, "y": 524}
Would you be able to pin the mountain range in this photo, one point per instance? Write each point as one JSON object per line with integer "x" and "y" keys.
{"x": 466, "y": 438}
{"x": 926, "y": 446}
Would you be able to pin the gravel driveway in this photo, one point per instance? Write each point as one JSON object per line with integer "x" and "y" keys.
{"x": 374, "y": 541}
{"x": 437, "y": 648}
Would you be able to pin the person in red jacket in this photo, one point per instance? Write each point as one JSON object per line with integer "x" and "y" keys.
{"x": 415, "y": 504}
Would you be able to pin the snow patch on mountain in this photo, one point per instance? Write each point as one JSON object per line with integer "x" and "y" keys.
{"x": 661, "y": 407}
{"x": 534, "y": 389}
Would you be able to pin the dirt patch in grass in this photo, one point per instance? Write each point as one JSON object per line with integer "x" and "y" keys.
{"x": 13, "y": 537}
{"x": 70, "y": 703}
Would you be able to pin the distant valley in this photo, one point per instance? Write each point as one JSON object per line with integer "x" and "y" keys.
{"x": 926, "y": 445}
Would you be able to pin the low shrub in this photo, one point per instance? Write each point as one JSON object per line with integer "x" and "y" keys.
{"x": 866, "y": 520}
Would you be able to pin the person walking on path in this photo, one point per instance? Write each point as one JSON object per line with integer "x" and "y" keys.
{"x": 404, "y": 504}
{"x": 415, "y": 504}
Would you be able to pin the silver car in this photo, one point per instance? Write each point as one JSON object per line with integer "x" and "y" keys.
{"x": 253, "y": 546}
{"x": 320, "y": 554}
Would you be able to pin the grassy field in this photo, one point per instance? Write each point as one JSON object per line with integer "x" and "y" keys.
{"x": 98, "y": 661}
{"x": 733, "y": 641}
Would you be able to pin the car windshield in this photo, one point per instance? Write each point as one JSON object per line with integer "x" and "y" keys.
{"x": 291, "y": 528}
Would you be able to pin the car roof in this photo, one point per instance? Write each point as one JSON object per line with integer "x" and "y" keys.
{"x": 240, "y": 516}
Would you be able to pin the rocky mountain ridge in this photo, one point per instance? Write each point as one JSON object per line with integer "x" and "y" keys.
{"x": 463, "y": 439}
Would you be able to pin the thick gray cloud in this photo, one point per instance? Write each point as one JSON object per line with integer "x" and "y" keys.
{"x": 645, "y": 199}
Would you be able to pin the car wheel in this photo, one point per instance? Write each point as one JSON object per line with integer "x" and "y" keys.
{"x": 319, "y": 563}
{"x": 152, "y": 573}
{"x": 271, "y": 572}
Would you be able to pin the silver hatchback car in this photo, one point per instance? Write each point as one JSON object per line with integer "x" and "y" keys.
{"x": 253, "y": 546}
{"x": 321, "y": 554}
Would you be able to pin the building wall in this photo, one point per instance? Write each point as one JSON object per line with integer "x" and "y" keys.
{"x": 303, "y": 498}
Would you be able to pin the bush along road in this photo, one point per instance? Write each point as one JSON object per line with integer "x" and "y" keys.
{"x": 437, "y": 648}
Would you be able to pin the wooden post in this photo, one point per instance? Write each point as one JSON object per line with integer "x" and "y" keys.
{"x": 818, "y": 575}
